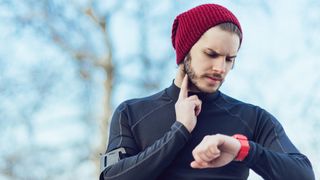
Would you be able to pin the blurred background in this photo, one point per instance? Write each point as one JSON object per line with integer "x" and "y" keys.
{"x": 66, "y": 65}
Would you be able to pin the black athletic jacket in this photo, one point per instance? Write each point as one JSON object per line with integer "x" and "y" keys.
{"x": 159, "y": 147}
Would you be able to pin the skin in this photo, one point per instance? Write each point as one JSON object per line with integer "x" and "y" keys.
{"x": 211, "y": 59}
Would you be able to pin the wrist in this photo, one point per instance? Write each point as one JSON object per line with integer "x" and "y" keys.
{"x": 189, "y": 128}
{"x": 244, "y": 148}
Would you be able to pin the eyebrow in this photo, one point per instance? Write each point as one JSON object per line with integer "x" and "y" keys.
{"x": 215, "y": 52}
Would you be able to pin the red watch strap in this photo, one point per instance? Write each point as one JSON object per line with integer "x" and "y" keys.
{"x": 244, "y": 149}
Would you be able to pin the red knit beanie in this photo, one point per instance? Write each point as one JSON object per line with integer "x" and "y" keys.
{"x": 189, "y": 26}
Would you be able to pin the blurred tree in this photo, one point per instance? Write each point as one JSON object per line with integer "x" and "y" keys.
{"x": 81, "y": 32}
{"x": 75, "y": 29}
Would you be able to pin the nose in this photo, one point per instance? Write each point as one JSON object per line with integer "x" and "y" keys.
{"x": 219, "y": 65}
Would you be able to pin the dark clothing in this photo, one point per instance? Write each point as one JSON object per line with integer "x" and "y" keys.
{"x": 159, "y": 147}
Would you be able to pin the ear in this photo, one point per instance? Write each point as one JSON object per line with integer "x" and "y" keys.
{"x": 181, "y": 69}
{"x": 180, "y": 73}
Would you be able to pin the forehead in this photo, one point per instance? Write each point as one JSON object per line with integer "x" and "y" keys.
{"x": 222, "y": 41}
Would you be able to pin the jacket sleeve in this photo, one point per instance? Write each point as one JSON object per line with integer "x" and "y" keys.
{"x": 141, "y": 164}
{"x": 273, "y": 156}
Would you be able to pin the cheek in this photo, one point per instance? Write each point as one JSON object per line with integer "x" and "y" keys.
{"x": 199, "y": 65}
{"x": 227, "y": 71}
{"x": 229, "y": 67}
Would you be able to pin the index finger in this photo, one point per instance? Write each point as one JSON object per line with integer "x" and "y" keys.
{"x": 184, "y": 88}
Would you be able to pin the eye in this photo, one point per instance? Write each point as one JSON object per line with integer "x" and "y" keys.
{"x": 228, "y": 59}
{"x": 212, "y": 55}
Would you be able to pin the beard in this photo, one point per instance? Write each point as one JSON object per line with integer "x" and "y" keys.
{"x": 191, "y": 74}
{"x": 193, "y": 78}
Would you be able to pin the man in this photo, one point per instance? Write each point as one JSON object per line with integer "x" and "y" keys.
{"x": 191, "y": 130}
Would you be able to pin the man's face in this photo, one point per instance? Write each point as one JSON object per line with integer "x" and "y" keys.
{"x": 210, "y": 59}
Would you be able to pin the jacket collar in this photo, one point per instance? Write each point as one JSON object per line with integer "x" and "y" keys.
{"x": 173, "y": 91}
